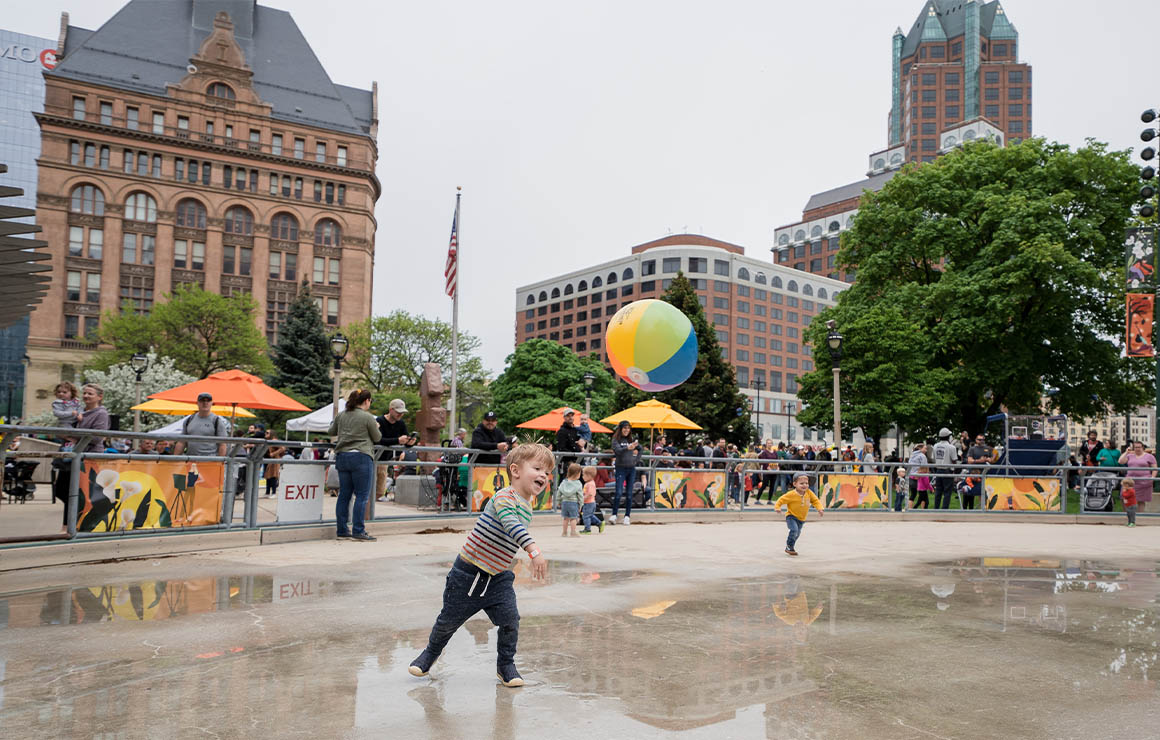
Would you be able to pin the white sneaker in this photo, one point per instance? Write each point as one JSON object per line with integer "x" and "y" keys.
{"x": 612, "y": 519}
{"x": 627, "y": 521}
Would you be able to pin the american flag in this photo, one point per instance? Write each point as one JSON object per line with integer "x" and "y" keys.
{"x": 450, "y": 271}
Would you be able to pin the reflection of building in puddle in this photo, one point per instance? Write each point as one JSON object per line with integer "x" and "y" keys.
{"x": 682, "y": 664}
{"x": 150, "y": 600}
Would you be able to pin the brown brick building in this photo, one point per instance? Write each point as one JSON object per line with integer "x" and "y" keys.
{"x": 198, "y": 142}
{"x": 956, "y": 77}
{"x": 758, "y": 310}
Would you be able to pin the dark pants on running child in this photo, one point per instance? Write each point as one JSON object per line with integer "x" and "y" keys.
{"x": 469, "y": 590}
{"x": 795, "y": 530}
{"x": 625, "y": 478}
{"x": 901, "y": 489}
{"x": 356, "y": 474}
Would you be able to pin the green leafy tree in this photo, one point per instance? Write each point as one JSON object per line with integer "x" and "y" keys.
{"x": 710, "y": 397}
{"x": 202, "y": 332}
{"x": 302, "y": 358}
{"x": 120, "y": 385}
{"x": 389, "y": 352}
{"x": 983, "y": 280}
{"x": 542, "y": 375}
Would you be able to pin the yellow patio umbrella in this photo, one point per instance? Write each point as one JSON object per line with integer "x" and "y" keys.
{"x": 651, "y": 414}
{"x": 178, "y": 408}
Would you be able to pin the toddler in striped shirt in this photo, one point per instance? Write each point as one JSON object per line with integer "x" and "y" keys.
{"x": 481, "y": 577}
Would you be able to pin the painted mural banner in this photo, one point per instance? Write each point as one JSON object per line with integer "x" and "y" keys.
{"x": 300, "y": 493}
{"x": 1141, "y": 309}
{"x": 691, "y": 489}
{"x": 486, "y": 481}
{"x": 1023, "y": 494}
{"x": 1140, "y": 254}
{"x": 118, "y": 495}
{"x": 845, "y": 491}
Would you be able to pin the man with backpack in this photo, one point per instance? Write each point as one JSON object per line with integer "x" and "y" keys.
{"x": 205, "y": 423}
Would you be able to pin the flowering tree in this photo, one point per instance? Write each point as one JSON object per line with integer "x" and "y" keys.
{"x": 120, "y": 385}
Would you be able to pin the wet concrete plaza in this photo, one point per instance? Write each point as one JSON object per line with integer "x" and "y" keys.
{"x": 879, "y": 630}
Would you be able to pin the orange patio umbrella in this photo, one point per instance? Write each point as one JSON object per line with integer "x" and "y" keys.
{"x": 233, "y": 388}
{"x": 554, "y": 419}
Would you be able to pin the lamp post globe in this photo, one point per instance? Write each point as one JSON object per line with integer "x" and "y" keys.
{"x": 140, "y": 363}
{"x": 338, "y": 347}
{"x": 589, "y": 379}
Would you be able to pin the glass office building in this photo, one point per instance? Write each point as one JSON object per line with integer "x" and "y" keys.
{"x": 23, "y": 59}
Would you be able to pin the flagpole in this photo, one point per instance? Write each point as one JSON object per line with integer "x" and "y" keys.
{"x": 455, "y": 321}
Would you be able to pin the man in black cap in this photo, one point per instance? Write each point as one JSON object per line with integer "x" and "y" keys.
{"x": 488, "y": 436}
{"x": 568, "y": 439}
{"x": 205, "y": 423}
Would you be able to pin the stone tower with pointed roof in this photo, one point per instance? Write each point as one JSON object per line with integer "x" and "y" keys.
{"x": 198, "y": 142}
{"x": 955, "y": 77}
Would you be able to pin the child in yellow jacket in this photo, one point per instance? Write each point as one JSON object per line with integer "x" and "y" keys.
{"x": 797, "y": 502}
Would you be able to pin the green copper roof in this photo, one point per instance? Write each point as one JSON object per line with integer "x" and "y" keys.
{"x": 940, "y": 20}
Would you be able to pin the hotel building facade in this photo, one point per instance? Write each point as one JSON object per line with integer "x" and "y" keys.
{"x": 759, "y": 311}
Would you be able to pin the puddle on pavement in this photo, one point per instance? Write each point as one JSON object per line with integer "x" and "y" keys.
{"x": 153, "y": 599}
{"x": 979, "y": 647}
{"x": 568, "y": 571}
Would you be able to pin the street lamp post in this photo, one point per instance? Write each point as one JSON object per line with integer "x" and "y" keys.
{"x": 11, "y": 392}
{"x": 589, "y": 379}
{"x": 139, "y": 363}
{"x": 338, "y": 348}
{"x": 758, "y": 384}
{"x": 834, "y": 343}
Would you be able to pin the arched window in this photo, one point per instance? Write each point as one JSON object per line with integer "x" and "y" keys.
{"x": 568, "y": 289}
{"x": 759, "y": 278}
{"x": 543, "y": 295}
{"x": 531, "y": 299}
{"x": 221, "y": 90}
{"x": 627, "y": 274}
{"x": 582, "y": 285}
{"x": 834, "y": 295}
{"x": 190, "y": 214}
{"x": 775, "y": 283}
{"x": 792, "y": 287}
{"x": 141, "y": 207}
{"x": 807, "y": 289}
{"x": 783, "y": 239}
{"x": 822, "y": 293}
{"x": 284, "y": 226}
{"x": 799, "y": 235}
{"x": 743, "y": 274}
{"x": 597, "y": 282}
{"x": 879, "y": 163}
{"x": 834, "y": 226}
{"x": 968, "y": 135}
{"x": 611, "y": 278}
{"x": 555, "y": 292}
{"x": 895, "y": 158}
{"x": 327, "y": 233}
{"x": 816, "y": 231}
{"x": 239, "y": 221}
{"x": 87, "y": 199}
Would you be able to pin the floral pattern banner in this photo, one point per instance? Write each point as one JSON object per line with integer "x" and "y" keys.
{"x": 130, "y": 494}
{"x": 1023, "y": 494}
{"x": 844, "y": 491}
{"x": 1140, "y": 252}
{"x": 678, "y": 489}
{"x": 486, "y": 481}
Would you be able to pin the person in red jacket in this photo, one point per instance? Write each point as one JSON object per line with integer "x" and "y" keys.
{"x": 1128, "y": 493}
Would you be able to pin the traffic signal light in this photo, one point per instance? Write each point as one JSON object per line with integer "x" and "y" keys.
{"x": 1148, "y": 190}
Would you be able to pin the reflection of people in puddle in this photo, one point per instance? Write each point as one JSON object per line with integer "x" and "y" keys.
{"x": 504, "y": 726}
{"x": 478, "y": 628}
{"x": 439, "y": 722}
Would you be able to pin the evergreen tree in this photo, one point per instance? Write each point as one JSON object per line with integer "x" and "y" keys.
{"x": 301, "y": 357}
{"x": 710, "y": 396}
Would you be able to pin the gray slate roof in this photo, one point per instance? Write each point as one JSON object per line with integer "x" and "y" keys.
{"x": 952, "y": 16}
{"x": 154, "y": 41}
{"x": 853, "y": 190}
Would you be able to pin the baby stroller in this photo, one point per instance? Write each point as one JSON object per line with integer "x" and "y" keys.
{"x": 1098, "y": 491}
{"x": 18, "y": 479}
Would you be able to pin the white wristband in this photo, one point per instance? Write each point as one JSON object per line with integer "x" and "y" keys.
{"x": 534, "y": 553}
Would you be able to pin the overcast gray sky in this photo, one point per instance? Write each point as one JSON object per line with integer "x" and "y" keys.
{"x": 580, "y": 129}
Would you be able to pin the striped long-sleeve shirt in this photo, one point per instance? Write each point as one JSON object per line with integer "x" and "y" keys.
{"x": 500, "y": 533}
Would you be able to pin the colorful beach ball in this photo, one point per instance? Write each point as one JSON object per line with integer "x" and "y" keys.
{"x": 651, "y": 345}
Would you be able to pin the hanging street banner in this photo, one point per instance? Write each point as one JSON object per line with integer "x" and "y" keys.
{"x": 1141, "y": 309}
{"x": 1140, "y": 252}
